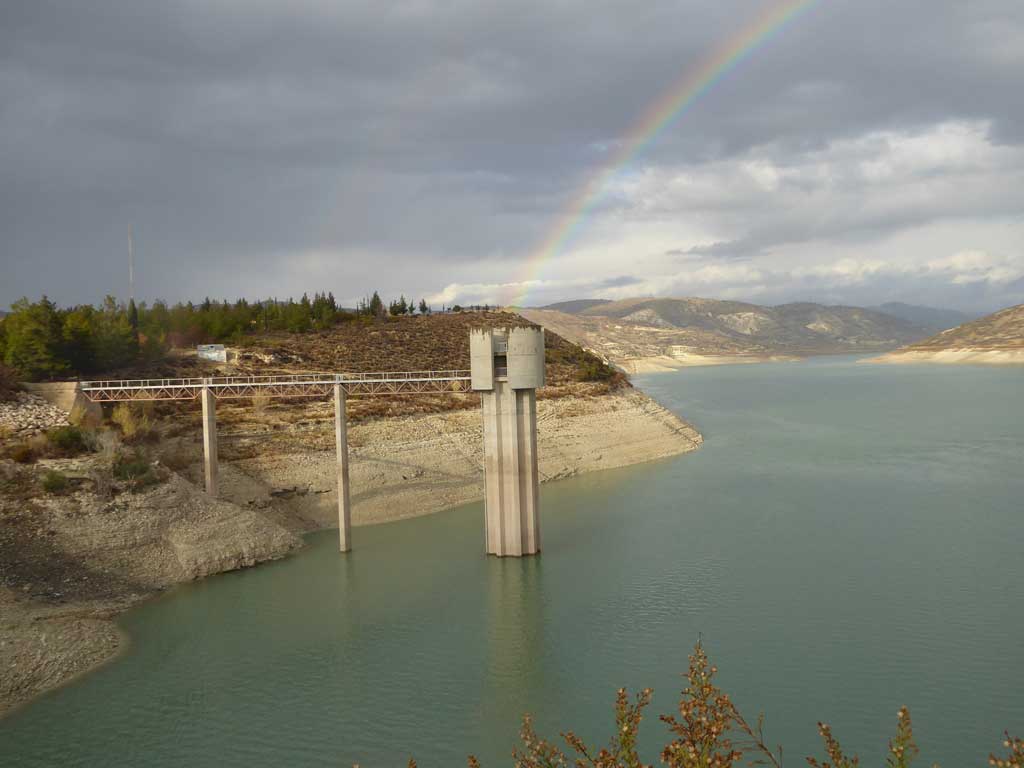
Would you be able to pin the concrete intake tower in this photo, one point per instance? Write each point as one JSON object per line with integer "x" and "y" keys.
{"x": 507, "y": 367}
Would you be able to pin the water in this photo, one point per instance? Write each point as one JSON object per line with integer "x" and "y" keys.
{"x": 848, "y": 540}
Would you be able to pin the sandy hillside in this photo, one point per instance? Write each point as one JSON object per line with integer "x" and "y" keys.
{"x": 996, "y": 339}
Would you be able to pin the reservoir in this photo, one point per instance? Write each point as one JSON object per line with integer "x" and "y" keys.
{"x": 847, "y": 541}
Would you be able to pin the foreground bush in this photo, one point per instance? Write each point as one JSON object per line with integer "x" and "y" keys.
{"x": 708, "y": 732}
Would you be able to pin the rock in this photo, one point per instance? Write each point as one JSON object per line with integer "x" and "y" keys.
{"x": 29, "y": 414}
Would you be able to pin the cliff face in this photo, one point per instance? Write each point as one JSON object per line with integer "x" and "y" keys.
{"x": 994, "y": 339}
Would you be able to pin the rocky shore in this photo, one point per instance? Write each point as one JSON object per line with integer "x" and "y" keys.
{"x": 70, "y": 563}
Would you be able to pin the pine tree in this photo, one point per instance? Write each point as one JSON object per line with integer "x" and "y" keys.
{"x": 376, "y": 305}
{"x": 33, "y": 339}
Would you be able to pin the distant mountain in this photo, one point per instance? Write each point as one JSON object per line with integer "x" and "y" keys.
{"x": 640, "y": 333}
{"x": 796, "y": 328}
{"x": 995, "y": 338}
{"x": 926, "y": 317}
{"x": 576, "y": 306}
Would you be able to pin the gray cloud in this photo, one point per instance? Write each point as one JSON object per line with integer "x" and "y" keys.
{"x": 266, "y": 148}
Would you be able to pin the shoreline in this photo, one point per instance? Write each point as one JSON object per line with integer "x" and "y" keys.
{"x": 401, "y": 467}
{"x": 951, "y": 356}
{"x": 667, "y": 363}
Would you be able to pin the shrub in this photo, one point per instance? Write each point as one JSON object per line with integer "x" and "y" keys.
{"x": 709, "y": 732}
{"x": 86, "y": 416}
{"x": 66, "y": 441}
{"x": 178, "y": 459}
{"x": 135, "y": 423}
{"x": 260, "y": 403}
{"x": 102, "y": 483}
{"x": 135, "y": 469}
{"x": 107, "y": 444}
{"x": 23, "y": 453}
{"x": 54, "y": 482}
{"x": 595, "y": 369}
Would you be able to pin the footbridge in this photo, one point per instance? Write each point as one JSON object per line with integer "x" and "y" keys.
{"x": 507, "y": 366}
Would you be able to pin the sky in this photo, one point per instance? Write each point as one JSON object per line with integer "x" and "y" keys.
{"x": 868, "y": 151}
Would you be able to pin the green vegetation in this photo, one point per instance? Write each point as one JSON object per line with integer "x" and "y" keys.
{"x": 136, "y": 469}
{"x": 710, "y": 732}
{"x": 54, "y": 482}
{"x": 40, "y": 340}
{"x": 588, "y": 366}
{"x": 66, "y": 441}
{"x": 135, "y": 422}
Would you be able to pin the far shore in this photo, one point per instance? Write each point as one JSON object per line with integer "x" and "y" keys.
{"x": 665, "y": 363}
{"x": 961, "y": 356}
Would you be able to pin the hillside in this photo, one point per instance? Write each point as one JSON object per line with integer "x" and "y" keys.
{"x": 994, "y": 339}
{"x": 575, "y": 306}
{"x": 655, "y": 334}
{"x": 925, "y": 317}
{"x": 427, "y": 342}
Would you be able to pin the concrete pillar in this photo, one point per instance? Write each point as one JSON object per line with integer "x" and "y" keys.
{"x": 209, "y": 438}
{"x": 511, "y": 479}
{"x": 341, "y": 442}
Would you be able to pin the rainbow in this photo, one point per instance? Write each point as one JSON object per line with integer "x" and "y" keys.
{"x": 674, "y": 102}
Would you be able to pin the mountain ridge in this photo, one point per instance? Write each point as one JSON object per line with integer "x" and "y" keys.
{"x": 641, "y": 333}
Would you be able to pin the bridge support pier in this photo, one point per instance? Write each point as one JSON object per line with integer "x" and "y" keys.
{"x": 344, "y": 497}
{"x": 209, "y": 438}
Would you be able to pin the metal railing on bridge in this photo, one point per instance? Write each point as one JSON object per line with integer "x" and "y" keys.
{"x": 289, "y": 385}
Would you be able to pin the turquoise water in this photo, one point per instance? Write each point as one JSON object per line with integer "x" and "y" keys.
{"x": 848, "y": 540}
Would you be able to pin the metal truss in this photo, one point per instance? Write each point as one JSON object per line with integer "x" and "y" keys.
{"x": 296, "y": 385}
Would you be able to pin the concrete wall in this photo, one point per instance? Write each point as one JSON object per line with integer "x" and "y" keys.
{"x": 66, "y": 396}
{"x": 511, "y": 479}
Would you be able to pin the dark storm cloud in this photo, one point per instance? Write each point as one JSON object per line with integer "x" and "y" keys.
{"x": 271, "y": 147}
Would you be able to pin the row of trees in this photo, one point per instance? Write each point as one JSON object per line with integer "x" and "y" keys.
{"x": 43, "y": 341}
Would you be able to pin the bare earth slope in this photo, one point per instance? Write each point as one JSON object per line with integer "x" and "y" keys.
{"x": 995, "y": 339}
{"x": 657, "y": 334}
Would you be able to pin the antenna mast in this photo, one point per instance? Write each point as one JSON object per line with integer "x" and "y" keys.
{"x": 131, "y": 266}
